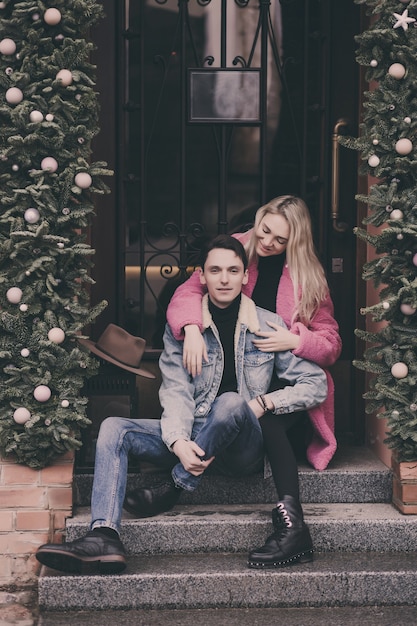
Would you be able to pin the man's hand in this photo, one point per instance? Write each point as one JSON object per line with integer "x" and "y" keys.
{"x": 194, "y": 350}
{"x": 278, "y": 340}
{"x": 189, "y": 453}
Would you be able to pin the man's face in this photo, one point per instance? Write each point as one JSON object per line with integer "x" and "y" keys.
{"x": 224, "y": 276}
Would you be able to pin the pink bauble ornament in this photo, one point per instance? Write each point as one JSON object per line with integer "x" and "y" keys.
{"x": 24, "y": 352}
{"x": 32, "y": 216}
{"x": 83, "y": 180}
{"x": 403, "y": 146}
{"x": 36, "y": 116}
{"x": 373, "y": 160}
{"x": 415, "y": 259}
{"x": 407, "y": 309}
{"x": 396, "y": 214}
{"x": 65, "y": 404}
{"x": 374, "y": 63}
{"x": 52, "y": 16}
{"x": 7, "y": 46}
{"x": 24, "y": 307}
{"x": 49, "y": 117}
{"x": 14, "y": 295}
{"x": 42, "y": 393}
{"x": 396, "y": 70}
{"x": 56, "y": 335}
{"x": 399, "y": 370}
{"x": 14, "y": 95}
{"x": 407, "y": 120}
{"x": 65, "y": 77}
{"x": 21, "y": 415}
{"x": 50, "y": 164}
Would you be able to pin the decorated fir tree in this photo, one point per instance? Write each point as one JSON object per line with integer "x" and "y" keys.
{"x": 48, "y": 117}
{"x": 388, "y": 146}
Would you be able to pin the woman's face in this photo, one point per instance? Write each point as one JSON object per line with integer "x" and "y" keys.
{"x": 272, "y": 235}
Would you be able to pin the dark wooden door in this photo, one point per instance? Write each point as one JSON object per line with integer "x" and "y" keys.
{"x": 177, "y": 181}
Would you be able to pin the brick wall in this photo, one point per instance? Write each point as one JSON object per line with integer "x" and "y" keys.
{"x": 33, "y": 507}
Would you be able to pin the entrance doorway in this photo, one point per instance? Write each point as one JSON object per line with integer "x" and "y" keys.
{"x": 209, "y": 109}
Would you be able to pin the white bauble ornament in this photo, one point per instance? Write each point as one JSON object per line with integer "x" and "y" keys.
{"x": 375, "y": 142}
{"x": 83, "y": 180}
{"x": 21, "y": 415}
{"x": 36, "y": 116}
{"x": 32, "y": 216}
{"x": 24, "y": 352}
{"x": 396, "y": 70}
{"x": 396, "y": 214}
{"x": 14, "y": 295}
{"x": 50, "y": 164}
{"x": 15, "y": 167}
{"x": 65, "y": 77}
{"x": 403, "y": 146}
{"x": 2, "y": 5}
{"x": 14, "y": 95}
{"x": 52, "y": 16}
{"x": 373, "y": 160}
{"x": 385, "y": 305}
{"x": 407, "y": 309}
{"x": 42, "y": 393}
{"x": 24, "y": 307}
{"x": 65, "y": 404}
{"x": 399, "y": 370}
{"x": 56, "y": 335}
{"x": 407, "y": 120}
{"x": 7, "y": 46}
{"x": 374, "y": 63}
{"x": 49, "y": 117}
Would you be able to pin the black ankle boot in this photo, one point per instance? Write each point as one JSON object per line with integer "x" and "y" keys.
{"x": 153, "y": 500}
{"x": 291, "y": 541}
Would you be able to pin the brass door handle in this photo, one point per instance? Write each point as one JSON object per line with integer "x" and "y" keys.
{"x": 340, "y": 227}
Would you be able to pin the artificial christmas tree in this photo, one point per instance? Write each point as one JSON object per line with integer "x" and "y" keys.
{"x": 48, "y": 117}
{"x": 388, "y": 145}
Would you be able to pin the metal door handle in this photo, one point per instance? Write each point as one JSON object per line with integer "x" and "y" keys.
{"x": 340, "y": 227}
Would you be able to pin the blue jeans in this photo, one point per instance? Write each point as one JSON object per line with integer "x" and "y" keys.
{"x": 230, "y": 432}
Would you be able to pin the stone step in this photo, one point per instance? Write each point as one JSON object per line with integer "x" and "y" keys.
{"x": 292, "y": 616}
{"x": 240, "y": 528}
{"x": 354, "y": 475}
{"x": 221, "y": 580}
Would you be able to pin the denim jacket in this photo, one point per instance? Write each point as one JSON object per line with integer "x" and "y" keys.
{"x": 184, "y": 398}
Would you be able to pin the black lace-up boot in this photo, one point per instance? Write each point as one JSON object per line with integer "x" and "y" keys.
{"x": 289, "y": 543}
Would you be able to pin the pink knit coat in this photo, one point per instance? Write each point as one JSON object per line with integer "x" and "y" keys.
{"x": 320, "y": 343}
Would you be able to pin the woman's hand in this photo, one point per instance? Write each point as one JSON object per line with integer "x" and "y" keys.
{"x": 278, "y": 340}
{"x": 194, "y": 350}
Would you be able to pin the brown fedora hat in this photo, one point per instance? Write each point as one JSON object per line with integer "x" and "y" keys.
{"x": 117, "y": 346}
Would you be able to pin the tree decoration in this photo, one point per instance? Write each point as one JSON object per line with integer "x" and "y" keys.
{"x": 390, "y": 356}
{"x": 45, "y": 258}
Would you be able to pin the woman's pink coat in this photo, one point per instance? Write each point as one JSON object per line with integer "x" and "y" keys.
{"x": 320, "y": 343}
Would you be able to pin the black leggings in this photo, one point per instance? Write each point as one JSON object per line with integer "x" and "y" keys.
{"x": 280, "y": 452}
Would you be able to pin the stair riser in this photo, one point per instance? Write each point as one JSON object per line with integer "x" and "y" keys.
{"x": 220, "y": 589}
{"x": 328, "y": 536}
{"x": 320, "y": 487}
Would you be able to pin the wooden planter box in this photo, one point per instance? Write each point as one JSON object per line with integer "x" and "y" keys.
{"x": 404, "y": 493}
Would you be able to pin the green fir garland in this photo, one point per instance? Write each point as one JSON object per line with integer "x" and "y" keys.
{"x": 388, "y": 145}
{"x": 48, "y": 117}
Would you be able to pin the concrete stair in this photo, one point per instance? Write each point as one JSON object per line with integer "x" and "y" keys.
{"x": 194, "y": 557}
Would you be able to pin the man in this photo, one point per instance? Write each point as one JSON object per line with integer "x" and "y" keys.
{"x": 208, "y": 420}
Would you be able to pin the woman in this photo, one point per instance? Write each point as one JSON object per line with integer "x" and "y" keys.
{"x": 286, "y": 276}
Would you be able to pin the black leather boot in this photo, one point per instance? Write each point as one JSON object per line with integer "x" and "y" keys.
{"x": 153, "y": 500}
{"x": 290, "y": 543}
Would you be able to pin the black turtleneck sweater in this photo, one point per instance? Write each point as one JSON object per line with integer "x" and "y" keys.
{"x": 269, "y": 274}
{"x": 225, "y": 321}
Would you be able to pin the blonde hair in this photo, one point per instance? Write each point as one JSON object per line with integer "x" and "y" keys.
{"x": 306, "y": 271}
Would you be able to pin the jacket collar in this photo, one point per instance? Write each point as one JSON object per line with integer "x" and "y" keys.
{"x": 247, "y": 314}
